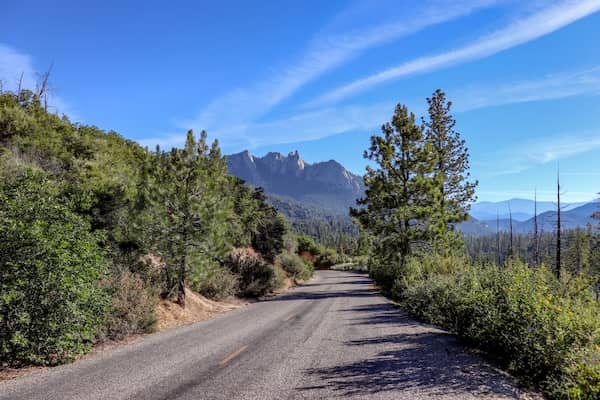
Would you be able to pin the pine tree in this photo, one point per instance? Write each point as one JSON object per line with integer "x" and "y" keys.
{"x": 187, "y": 210}
{"x": 396, "y": 196}
{"x": 454, "y": 192}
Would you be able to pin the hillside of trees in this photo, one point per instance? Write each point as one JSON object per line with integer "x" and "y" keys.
{"x": 95, "y": 229}
{"x": 530, "y": 301}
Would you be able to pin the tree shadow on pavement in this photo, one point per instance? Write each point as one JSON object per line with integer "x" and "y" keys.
{"x": 424, "y": 359}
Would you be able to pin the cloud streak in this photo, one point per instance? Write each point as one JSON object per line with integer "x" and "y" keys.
{"x": 551, "y": 87}
{"x": 515, "y": 160}
{"x": 305, "y": 126}
{"x": 325, "y": 53}
{"x": 548, "y": 20}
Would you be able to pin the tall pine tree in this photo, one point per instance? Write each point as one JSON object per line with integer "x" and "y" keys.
{"x": 453, "y": 190}
{"x": 397, "y": 191}
{"x": 188, "y": 210}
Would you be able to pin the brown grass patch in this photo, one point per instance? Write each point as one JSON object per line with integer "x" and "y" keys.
{"x": 197, "y": 308}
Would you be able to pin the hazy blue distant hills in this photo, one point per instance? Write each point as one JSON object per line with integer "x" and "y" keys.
{"x": 571, "y": 218}
{"x": 522, "y": 209}
{"x": 326, "y": 190}
{"x": 325, "y": 185}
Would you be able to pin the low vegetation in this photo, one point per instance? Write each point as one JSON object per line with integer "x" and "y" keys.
{"x": 539, "y": 318}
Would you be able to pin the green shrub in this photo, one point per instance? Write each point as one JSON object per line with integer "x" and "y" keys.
{"x": 257, "y": 277}
{"x": 295, "y": 266}
{"x": 279, "y": 281}
{"x": 51, "y": 305}
{"x": 216, "y": 283}
{"x": 350, "y": 266}
{"x": 538, "y": 327}
{"x": 308, "y": 245}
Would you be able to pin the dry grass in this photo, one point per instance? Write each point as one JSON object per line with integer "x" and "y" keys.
{"x": 197, "y": 308}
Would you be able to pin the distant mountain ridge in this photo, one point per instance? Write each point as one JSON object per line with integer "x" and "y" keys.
{"x": 327, "y": 185}
{"x": 324, "y": 190}
{"x": 522, "y": 209}
{"x": 571, "y": 218}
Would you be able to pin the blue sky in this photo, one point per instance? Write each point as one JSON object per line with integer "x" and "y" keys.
{"x": 322, "y": 76}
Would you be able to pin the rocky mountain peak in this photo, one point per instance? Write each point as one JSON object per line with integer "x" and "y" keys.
{"x": 326, "y": 184}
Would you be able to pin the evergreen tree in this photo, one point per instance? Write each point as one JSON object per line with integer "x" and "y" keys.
{"x": 397, "y": 191}
{"x": 578, "y": 252}
{"x": 188, "y": 212}
{"x": 454, "y": 192}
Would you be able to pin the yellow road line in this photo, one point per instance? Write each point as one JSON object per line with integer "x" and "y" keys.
{"x": 233, "y": 355}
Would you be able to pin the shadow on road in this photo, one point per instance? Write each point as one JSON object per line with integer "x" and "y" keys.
{"x": 423, "y": 359}
{"x": 325, "y": 294}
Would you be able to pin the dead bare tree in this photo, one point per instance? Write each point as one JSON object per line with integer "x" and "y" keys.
{"x": 558, "y": 227}
{"x": 536, "y": 237}
{"x": 19, "y": 83}
{"x": 510, "y": 228}
{"x": 498, "y": 238}
{"x": 42, "y": 91}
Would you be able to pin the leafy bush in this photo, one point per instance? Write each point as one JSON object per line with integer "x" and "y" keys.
{"x": 132, "y": 308}
{"x": 295, "y": 266}
{"x": 321, "y": 256}
{"x": 51, "y": 305}
{"x": 350, "y": 266}
{"x": 216, "y": 283}
{"x": 545, "y": 331}
{"x": 257, "y": 277}
{"x": 279, "y": 281}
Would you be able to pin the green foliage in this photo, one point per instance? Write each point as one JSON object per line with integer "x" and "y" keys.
{"x": 258, "y": 223}
{"x": 185, "y": 210}
{"x": 419, "y": 188}
{"x": 351, "y": 266}
{"x": 295, "y": 266}
{"x": 320, "y": 256}
{"x": 257, "y": 277}
{"x": 51, "y": 306}
{"x": 215, "y": 282}
{"x": 453, "y": 192}
{"x": 398, "y": 191}
{"x": 113, "y": 225}
{"x": 544, "y": 331}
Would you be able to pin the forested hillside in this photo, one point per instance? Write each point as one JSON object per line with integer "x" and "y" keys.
{"x": 94, "y": 229}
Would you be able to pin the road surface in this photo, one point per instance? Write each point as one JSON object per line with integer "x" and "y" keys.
{"x": 334, "y": 337}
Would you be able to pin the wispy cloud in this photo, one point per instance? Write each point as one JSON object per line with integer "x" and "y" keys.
{"x": 16, "y": 66}
{"x": 326, "y": 52}
{"x": 522, "y": 31}
{"x": 296, "y": 128}
{"x": 551, "y": 87}
{"x": 516, "y": 159}
{"x": 313, "y": 125}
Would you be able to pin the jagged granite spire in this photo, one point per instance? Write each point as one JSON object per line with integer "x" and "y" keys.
{"x": 324, "y": 184}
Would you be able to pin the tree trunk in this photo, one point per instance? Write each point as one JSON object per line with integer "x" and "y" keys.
{"x": 181, "y": 285}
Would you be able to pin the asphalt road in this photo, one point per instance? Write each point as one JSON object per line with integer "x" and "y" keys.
{"x": 334, "y": 337}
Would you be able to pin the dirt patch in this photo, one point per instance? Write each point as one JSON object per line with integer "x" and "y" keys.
{"x": 7, "y": 374}
{"x": 197, "y": 308}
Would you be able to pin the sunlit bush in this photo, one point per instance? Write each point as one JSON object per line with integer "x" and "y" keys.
{"x": 256, "y": 276}
{"x": 544, "y": 331}
{"x": 295, "y": 266}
